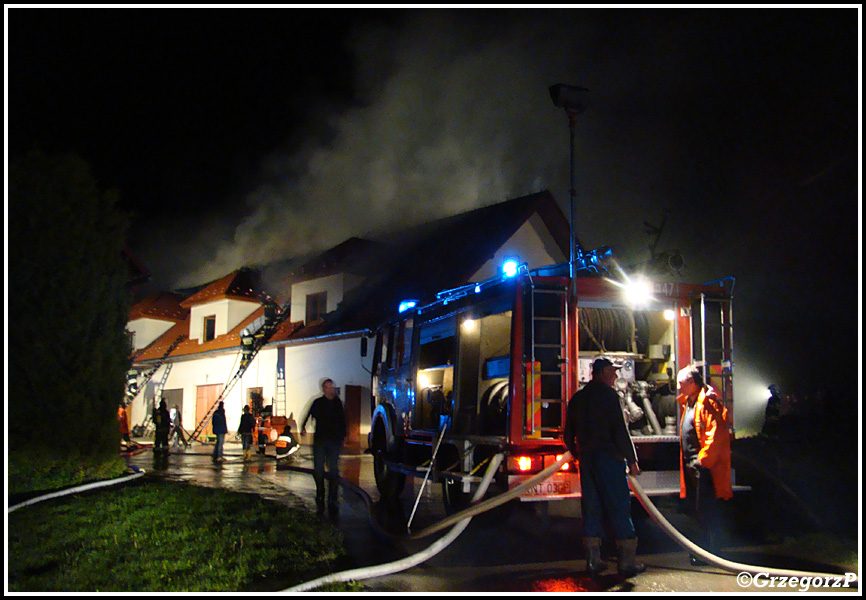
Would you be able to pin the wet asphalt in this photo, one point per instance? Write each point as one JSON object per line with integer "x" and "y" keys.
{"x": 516, "y": 548}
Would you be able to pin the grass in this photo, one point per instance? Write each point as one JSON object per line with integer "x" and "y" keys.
{"x": 156, "y": 536}
{"x": 32, "y": 470}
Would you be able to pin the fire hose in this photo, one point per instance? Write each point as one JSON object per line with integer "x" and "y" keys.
{"x": 79, "y": 489}
{"x": 463, "y": 517}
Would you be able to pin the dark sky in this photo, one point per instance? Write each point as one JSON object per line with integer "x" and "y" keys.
{"x": 240, "y": 136}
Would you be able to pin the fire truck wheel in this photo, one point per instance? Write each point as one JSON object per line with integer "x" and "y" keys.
{"x": 453, "y": 496}
{"x": 389, "y": 483}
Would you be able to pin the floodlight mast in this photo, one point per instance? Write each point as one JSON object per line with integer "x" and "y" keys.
{"x": 573, "y": 100}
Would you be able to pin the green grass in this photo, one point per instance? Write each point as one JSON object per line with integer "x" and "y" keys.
{"x": 33, "y": 470}
{"x": 156, "y": 535}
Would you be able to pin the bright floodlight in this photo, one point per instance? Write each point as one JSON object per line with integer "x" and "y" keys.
{"x": 468, "y": 325}
{"x": 670, "y": 314}
{"x": 407, "y": 305}
{"x": 509, "y": 267}
{"x": 638, "y": 292}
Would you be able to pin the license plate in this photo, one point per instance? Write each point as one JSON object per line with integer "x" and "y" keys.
{"x": 559, "y": 485}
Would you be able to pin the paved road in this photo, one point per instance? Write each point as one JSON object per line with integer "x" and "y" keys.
{"x": 519, "y": 547}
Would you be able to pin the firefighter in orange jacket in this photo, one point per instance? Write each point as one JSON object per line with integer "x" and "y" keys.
{"x": 705, "y": 454}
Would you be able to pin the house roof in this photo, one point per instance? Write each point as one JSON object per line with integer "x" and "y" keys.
{"x": 243, "y": 284}
{"x": 165, "y": 306}
{"x": 443, "y": 254}
{"x": 188, "y": 346}
{"x": 414, "y": 262}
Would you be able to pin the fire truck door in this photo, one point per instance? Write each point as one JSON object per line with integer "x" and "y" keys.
{"x": 712, "y": 341}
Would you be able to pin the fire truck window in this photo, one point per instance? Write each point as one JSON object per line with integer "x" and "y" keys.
{"x": 406, "y": 343}
{"x": 387, "y": 347}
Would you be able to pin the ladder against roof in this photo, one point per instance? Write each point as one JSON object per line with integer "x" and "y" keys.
{"x": 253, "y": 338}
{"x": 133, "y": 387}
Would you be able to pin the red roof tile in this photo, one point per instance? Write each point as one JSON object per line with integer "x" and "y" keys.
{"x": 165, "y": 306}
{"x": 243, "y": 284}
{"x": 187, "y": 347}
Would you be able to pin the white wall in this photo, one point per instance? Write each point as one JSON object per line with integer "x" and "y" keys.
{"x": 228, "y": 314}
{"x": 531, "y": 244}
{"x": 147, "y": 330}
{"x": 335, "y": 285}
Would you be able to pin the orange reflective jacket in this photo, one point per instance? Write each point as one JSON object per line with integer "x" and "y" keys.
{"x": 715, "y": 440}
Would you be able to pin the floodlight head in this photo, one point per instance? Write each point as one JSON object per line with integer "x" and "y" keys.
{"x": 569, "y": 97}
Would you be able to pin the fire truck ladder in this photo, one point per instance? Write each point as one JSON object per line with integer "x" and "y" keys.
{"x": 548, "y": 335}
{"x": 253, "y": 338}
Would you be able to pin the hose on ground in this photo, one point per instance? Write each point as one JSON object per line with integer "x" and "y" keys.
{"x": 699, "y": 552}
{"x": 78, "y": 489}
{"x": 410, "y": 561}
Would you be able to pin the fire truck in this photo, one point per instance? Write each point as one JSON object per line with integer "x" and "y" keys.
{"x": 489, "y": 368}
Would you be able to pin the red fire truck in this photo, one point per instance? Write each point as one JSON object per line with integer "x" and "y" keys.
{"x": 490, "y": 367}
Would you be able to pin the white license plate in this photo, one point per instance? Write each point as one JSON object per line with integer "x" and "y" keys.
{"x": 557, "y": 486}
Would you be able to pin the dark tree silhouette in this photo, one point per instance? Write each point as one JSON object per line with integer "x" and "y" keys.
{"x": 68, "y": 350}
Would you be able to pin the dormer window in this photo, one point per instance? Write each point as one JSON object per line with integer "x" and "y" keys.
{"x": 317, "y": 306}
{"x": 209, "y": 328}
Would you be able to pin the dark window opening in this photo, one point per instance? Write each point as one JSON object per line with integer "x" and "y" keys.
{"x": 209, "y": 328}
{"x": 317, "y": 306}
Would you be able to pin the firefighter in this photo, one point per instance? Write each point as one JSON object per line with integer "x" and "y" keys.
{"x": 123, "y": 424}
{"x": 705, "y": 454}
{"x": 286, "y": 444}
{"x": 773, "y": 413}
{"x": 596, "y": 433}
{"x": 162, "y": 421}
{"x": 245, "y": 430}
{"x": 264, "y": 427}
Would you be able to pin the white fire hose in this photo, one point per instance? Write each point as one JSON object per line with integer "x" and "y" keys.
{"x": 409, "y": 561}
{"x": 78, "y": 489}
{"x": 463, "y": 517}
{"x": 696, "y": 550}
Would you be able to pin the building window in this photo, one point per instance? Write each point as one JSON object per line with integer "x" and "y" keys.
{"x": 317, "y": 306}
{"x": 209, "y": 328}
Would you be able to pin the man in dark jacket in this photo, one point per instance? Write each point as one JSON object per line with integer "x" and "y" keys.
{"x": 596, "y": 434}
{"x": 220, "y": 429}
{"x": 328, "y": 438}
{"x": 245, "y": 430}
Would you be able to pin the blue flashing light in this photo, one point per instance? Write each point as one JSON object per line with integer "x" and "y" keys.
{"x": 477, "y": 288}
{"x": 509, "y": 267}
{"x": 407, "y": 305}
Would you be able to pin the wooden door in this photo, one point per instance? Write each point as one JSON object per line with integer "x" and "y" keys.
{"x": 205, "y": 396}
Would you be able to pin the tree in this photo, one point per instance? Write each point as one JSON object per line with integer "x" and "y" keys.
{"x": 67, "y": 309}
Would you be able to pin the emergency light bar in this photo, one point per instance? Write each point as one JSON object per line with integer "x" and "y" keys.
{"x": 407, "y": 305}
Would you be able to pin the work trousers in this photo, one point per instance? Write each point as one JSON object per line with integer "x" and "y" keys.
{"x": 604, "y": 491}
{"x": 161, "y": 440}
{"x": 326, "y": 453}
{"x": 701, "y": 496}
{"x": 247, "y": 440}
{"x": 218, "y": 447}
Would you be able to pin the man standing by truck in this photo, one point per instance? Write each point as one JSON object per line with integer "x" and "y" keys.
{"x": 328, "y": 438}
{"x": 596, "y": 434}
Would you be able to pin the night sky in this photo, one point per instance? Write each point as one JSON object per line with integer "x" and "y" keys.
{"x": 244, "y": 136}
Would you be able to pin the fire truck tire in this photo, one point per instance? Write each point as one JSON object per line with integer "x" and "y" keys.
{"x": 453, "y": 496}
{"x": 389, "y": 483}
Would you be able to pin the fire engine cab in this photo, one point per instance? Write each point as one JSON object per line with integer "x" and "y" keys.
{"x": 489, "y": 368}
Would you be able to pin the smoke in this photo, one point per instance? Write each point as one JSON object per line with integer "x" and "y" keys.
{"x": 453, "y": 113}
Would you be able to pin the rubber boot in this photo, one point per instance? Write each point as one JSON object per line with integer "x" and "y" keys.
{"x": 628, "y": 565}
{"x": 594, "y": 564}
